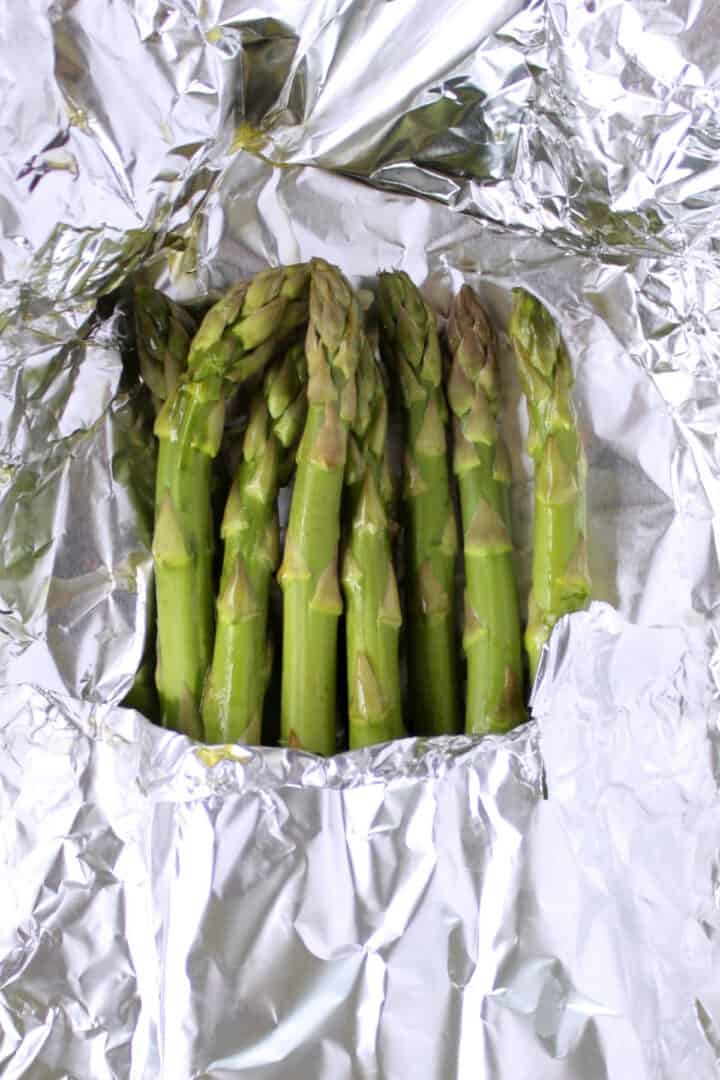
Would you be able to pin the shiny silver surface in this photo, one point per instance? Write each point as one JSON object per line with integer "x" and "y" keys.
{"x": 265, "y": 914}
{"x": 174, "y": 910}
{"x": 418, "y": 910}
{"x": 628, "y": 718}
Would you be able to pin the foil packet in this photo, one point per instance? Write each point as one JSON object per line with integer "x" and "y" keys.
{"x": 422, "y": 907}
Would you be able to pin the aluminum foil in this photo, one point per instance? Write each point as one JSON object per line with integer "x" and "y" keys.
{"x": 178, "y": 911}
{"x": 420, "y": 909}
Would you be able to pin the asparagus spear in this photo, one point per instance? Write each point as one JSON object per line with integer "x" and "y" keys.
{"x": 164, "y": 331}
{"x": 373, "y": 608}
{"x": 242, "y": 656}
{"x": 410, "y": 346}
{"x": 492, "y": 638}
{"x": 560, "y": 577}
{"x": 312, "y": 603}
{"x": 237, "y": 338}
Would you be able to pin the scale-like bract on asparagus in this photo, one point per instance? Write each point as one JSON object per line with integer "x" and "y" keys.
{"x": 237, "y": 338}
{"x": 242, "y": 656}
{"x": 560, "y": 577}
{"x": 492, "y": 637}
{"x": 312, "y": 603}
{"x": 373, "y": 616}
{"x": 411, "y": 349}
{"x": 163, "y": 332}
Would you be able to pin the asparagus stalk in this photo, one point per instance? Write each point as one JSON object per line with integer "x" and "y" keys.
{"x": 492, "y": 638}
{"x": 163, "y": 332}
{"x": 237, "y": 338}
{"x": 242, "y": 655}
{"x": 560, "y": 576}
{"x": 373, "y": 616}
{"x": 312, "y": 603}
{"x": 410, "y": 346}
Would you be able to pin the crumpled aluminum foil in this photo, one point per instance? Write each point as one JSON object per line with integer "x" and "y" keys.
{"x": 629, "y": 727}
{"x": 419, "y": 909}
{"x": 170, "y": 914}
{"x": 173, "y": 912}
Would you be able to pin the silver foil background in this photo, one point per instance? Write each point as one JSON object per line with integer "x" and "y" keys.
{"x": 416, "y": 909}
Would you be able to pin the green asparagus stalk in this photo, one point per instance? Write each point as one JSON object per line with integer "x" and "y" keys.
{"x": 163, "y": 332}
{"x": 410, "y": 346}
{"x": 560, "y": 576}
{"x": 237, "y": 338}
{"x": 492, "y": 638}
{"x": 312, "y": 603}
{"x": 242, "y": 655}
{"x": 373, "y": 616}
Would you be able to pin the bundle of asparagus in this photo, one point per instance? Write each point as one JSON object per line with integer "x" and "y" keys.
{"x": 237, "y": 337}
{"x": 242, "y": 657}
{"x": 317, "y": 408}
